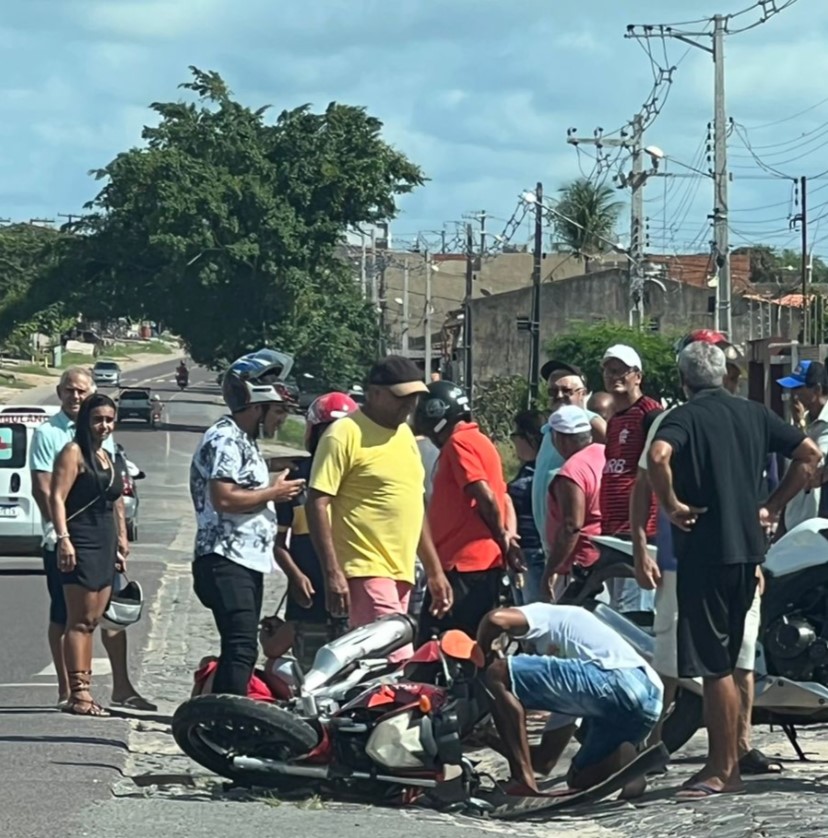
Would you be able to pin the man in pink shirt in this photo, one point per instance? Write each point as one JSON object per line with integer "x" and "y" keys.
{"x": 573, "y": 501}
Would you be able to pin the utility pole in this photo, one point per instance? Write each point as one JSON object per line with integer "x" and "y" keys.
{"x": 638, "y": 180}
{"x": 720, "y": 208}
{"x": 70, "y": 217}
{"x": 383, "y": 303}
{"x": 41, "y": 221}
{"x": 534, "y": 317}
{"x": 405, "y": 309}
{"x": 467, "y": 313}
{"x": 803, "y": 219}
{"x": 427, "y": 316}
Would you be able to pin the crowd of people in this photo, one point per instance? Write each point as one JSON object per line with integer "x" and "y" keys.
{"x": 406, "y": 488}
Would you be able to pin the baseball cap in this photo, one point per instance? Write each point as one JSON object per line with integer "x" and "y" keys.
{"x": 626, "y": 354}
{"x": 570, "y": 419}
{"x": 559, "y": 366}
{"x": 400, "y": 375}
{"x": 806, "y": 374}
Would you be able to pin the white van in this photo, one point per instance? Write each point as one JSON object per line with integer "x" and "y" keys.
{"x": 20, "y": 521}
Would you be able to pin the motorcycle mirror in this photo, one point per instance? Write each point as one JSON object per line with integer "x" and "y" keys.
{"x": 140, "y": 476}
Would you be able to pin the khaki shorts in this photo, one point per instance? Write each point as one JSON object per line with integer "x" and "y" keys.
{"x": 665, "y": 628}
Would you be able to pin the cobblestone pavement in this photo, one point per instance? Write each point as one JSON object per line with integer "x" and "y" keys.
{"x": 795, "y": 804}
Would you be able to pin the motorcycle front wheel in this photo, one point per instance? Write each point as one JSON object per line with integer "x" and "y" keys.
{"x": 213, "y": 729}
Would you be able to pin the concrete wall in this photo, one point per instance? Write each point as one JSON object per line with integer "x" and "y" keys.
{"x": 500, "y": 349}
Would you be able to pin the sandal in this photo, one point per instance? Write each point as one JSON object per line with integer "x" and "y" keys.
{"x": 77, "y": 704}
{"x": 755, "y": 762}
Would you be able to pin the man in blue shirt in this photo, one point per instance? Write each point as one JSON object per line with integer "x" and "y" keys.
{"x": 567, "y": 385}
{"x": 47, "y": 442}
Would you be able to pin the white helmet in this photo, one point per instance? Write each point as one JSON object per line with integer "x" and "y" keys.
{"x": 126, "y": 602}
{"x": 250, "y": 379}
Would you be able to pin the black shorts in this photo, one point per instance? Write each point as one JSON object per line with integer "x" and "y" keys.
{"x": 475, "y": 594}
{"x": 54, "y": 583}
{"x": 713, "y": 601}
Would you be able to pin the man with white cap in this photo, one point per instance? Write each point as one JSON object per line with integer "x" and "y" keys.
{"x": 626, "y": 433}
{"x": 573, "y": 499}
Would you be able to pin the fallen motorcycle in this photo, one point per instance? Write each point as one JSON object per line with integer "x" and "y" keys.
{"x": 392, "y": 741}
{"x": 791, "y": 670}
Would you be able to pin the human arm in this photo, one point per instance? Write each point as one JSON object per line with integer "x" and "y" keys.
{"x": 647, "y": 573}
{"x": 41, "y": 491}
{"x": 660, "y": 474}
{"x": 321, "y": 532}
{"x": 67, "y": 467}
{"x": 228, "y": 496}
{"x": 571, "y": 503}
{"x": 804, "y": 462}
{"x": 599, "y": 429}
{"x": 41, "y": 461}
{"x": 488, "y": 509}
{"x": 511, "y": 516}
{"x": 442, "y": 595}
{"x": 509, "y": 621}
{"x": 300, "y": 585}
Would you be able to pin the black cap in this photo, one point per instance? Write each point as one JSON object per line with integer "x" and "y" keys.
{"x": 400, "y": 375}
{"x": 559, "y": 366}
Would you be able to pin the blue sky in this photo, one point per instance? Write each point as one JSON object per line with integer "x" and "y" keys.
{"x": 479, "y": 92}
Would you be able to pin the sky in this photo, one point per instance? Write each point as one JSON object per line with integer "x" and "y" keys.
{"x": 480, "y": 93}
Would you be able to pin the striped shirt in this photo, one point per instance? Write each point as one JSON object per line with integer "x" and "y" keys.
{"x": 626, "y": 434}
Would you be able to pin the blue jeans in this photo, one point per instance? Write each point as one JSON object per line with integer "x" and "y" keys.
{"x": 532, "y": 578}
{"x": 617, "y": 705}
{"x": 626, "y": 595}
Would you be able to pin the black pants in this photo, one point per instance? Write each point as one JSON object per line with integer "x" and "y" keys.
{"x": 234, "y": 594}
{"x": 475, "y": 594}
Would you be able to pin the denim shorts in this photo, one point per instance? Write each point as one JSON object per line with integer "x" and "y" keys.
{"x": 616, "y": 705}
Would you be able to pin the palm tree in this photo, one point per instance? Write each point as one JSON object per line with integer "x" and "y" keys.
{"x": 588, "y": 215}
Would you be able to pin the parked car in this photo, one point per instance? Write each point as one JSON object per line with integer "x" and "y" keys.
{"x": 134, "y": 404}
{"x": 107, "y": 374}
{"x": 129, "y": 474}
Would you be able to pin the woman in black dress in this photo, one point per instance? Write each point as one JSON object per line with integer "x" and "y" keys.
{"x": 85, "y": 486}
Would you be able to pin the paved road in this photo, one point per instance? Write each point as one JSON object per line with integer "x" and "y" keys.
{"x": 55, "y": 764}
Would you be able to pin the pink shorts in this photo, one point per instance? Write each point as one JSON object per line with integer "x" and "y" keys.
{"x": 373, "y": 597}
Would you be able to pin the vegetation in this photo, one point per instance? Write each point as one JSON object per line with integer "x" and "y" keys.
{"x": 586, "y": 217}
{"x": 226, "y": 228}
{"x": 585, "y": 345}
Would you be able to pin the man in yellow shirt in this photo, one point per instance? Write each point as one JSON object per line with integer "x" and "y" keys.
{"x": 366, "y": 506}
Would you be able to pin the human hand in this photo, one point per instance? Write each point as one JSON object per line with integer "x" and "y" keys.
{"x": 283, "y": 490}
{"x": 123, "y": 546}
{"x": 442, "y": 595}
{"x": 337, "y": 598}
{"x": 513, "y": 554}
{"x": 684, "y": 516}
{"x": 302, "y": 590}
{"x": 67, "y": 561}
{"x": 547, "y": 587}
{"x": 647, "y": 572}
{"x": 768, "y": 518}
{"x": 798, "y": 411}
{"x": 760, "y": 580}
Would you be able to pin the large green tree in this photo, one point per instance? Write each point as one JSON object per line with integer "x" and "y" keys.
{"x": 586, "y": 217}
{"x": 226, "y": 227}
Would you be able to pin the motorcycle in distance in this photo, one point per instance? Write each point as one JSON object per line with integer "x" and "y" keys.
{"x": 391, "y": 738}
{"x": 182, "y": 379}
{"x": 791, "y": 672}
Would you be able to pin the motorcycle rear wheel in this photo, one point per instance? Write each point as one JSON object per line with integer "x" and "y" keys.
{"x": 213, "y": 729}
{"x": 684, "y": 720}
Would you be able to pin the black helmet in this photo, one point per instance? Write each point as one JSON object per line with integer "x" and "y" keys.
{"x": 444, "y": 404}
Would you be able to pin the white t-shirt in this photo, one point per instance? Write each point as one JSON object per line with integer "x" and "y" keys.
{"x": 567, "y": 631}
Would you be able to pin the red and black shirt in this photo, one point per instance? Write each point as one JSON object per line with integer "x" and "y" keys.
{"x": 626, "y": 435}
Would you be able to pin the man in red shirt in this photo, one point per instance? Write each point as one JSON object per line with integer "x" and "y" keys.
{"x": 573, "y": 500}
{"x": 633, "y": 413}
{"x": 468, "y": 514}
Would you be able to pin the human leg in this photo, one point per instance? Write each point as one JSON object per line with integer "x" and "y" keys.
{"x": 234, "y": 595}
{"x": 664, "y": 649}
{"x": 84, "y": 611}
{"x": 123, "y": 691}
{"x": 57, "y": 621}
{"x": 373, "y": 597}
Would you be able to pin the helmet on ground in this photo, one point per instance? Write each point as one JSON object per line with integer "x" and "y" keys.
{"x": 126, "y": 602}
{"x": 732, "y": 352}
{"x": 250, "y": 380}
{"x": 443, "y": 405}
{"x": 329, "y": 408}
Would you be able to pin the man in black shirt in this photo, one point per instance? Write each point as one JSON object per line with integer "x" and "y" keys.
{"x": 706, "y": 467}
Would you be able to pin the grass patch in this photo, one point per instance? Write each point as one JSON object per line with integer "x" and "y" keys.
{"x": 127, "y": 350}
{"x": 16, "y": 385}
{"x": 76, "y": 359}
{"x": 292, "y": 433}
{"x": 25, "y": 369}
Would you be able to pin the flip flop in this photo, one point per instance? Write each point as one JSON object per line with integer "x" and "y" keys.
{"x": 135, "y": 702}
{"x": 703, "y": 791}
{"x": 755, "y": 762}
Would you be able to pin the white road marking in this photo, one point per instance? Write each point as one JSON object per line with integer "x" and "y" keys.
{"x": 48, "y": 684}
{"x": 100, "y": 666}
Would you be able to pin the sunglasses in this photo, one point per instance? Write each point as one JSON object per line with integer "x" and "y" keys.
{"x": 557, "y": 393}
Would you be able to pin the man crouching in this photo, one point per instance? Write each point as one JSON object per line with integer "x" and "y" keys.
{"x": 581, "y": 669}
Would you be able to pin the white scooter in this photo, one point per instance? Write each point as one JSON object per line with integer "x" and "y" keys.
{"x": 792, "y": 651}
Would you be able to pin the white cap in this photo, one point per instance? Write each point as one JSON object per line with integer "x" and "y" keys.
{"x": 626, "y": 354}
{"x": 570, "y": 419}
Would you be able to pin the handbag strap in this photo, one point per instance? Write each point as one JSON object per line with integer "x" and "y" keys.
{"x": 101, "y": 492}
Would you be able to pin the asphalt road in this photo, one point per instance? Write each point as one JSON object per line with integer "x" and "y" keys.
{"x": 53, "y": 764}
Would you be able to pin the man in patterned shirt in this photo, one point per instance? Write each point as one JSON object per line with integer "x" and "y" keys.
{"x": 627, "y": 428}
{"x": 234, "y": 502}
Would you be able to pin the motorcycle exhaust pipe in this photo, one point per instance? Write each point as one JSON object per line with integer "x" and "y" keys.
{"x": 321, "y": 772}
